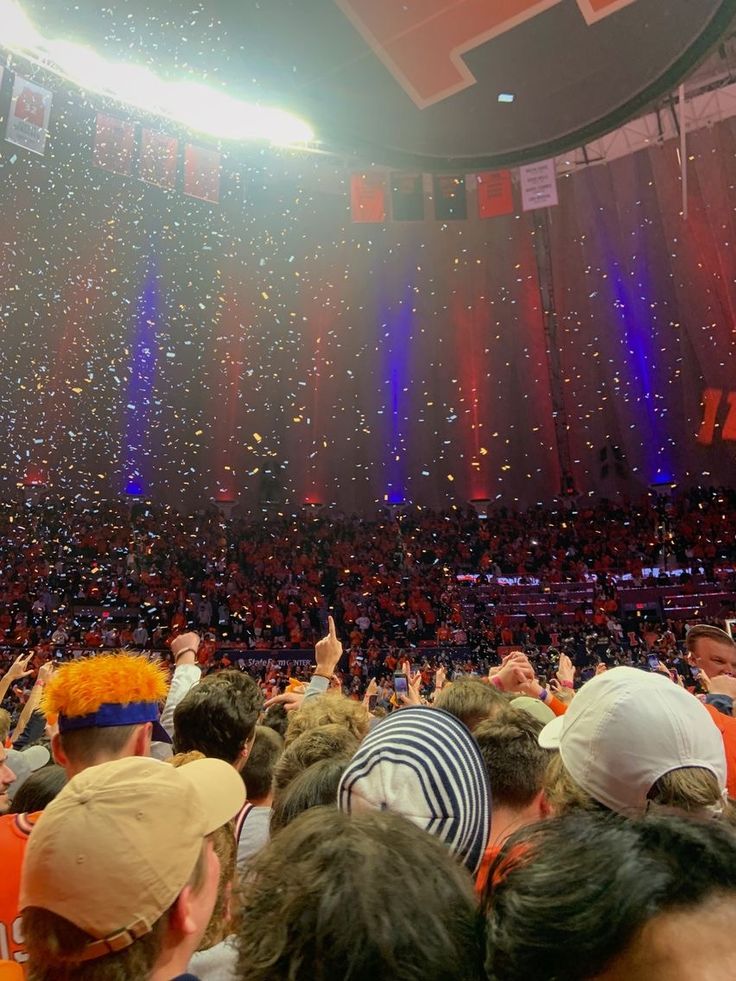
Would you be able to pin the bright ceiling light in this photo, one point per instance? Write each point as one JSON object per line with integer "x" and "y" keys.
{"x": 190, "y": 104}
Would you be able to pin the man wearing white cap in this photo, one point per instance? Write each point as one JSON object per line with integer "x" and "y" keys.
{"x": 632, "y": 742}
{"x": 119, "y": 878}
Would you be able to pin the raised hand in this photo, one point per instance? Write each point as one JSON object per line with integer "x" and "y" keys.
{"x": 328, "y": 651}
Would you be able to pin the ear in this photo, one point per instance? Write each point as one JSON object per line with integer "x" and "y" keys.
{"x": 542, "y": 807}
{"x": 245, "y": 751}
{"x": 140, "y": 744}
{"x": 181, "y": 914}
{"x": 57, "y": 751}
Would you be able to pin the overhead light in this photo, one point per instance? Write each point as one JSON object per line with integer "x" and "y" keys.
{"x": 506, "y": 96}
{"x": 198, "y": 107}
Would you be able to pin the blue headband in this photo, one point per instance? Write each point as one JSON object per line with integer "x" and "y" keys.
{"x": 114, "y": 714}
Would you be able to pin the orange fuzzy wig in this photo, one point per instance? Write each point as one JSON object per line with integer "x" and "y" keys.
{"x": 80, "y": 687}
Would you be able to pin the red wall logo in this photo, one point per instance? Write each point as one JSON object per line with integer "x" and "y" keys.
{"x": 715, "y": 406}
{"x": 422, "y": 44}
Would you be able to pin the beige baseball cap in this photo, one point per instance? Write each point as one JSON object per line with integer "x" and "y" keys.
{"x": 625, "y": 729}
{"x": 116, "y": 847}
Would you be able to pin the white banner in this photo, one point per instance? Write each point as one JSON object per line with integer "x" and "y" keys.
{"x": 538, "y": 185}
{"x": 30, "y": 110}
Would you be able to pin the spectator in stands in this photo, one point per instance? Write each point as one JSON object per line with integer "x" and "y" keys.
{"x": 516, "y": 766}
{"x": 711, "y": 650}
{"x": 113, "y": 884}
{"x": 633, "y": 742}
{"x": 471, "y": 700}
{"x": 258, "y": 776}
{"x": 107, "y": 709}
{"x": 38, "y": 790}
{"x": 313, "y": 787}
{"x": 591, "y": 896}
{"x": 363, "y": 897}
{"x": 331, "y": 708}
{"x": 7, "y": 778}
{"x": 423, "y": 764}
{"x": 333, "y": 742}
{"x": 218, "y": 717}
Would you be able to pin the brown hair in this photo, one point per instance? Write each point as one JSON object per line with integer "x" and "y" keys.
{"x": 323, "y": 710}
{"x": 258, "y": 770}
{"x": 324, "y": 742}
{"x": 471, "y": 700}
{"x": 324, "y": 864}
{"x": 706, "y": 630}
{"x": 316, "y": 786}
{"x": 690, "y": 789}
{"x": 54, "y": 944}
{"x": 516, "y": 763}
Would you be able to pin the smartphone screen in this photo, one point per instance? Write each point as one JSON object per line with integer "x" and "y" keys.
{"x": 372, "y": 699}
{"x": 401, "y": 686}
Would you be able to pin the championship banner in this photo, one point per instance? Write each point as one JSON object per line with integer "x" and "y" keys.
{"x": 202, "y": 173}
{"x": 407, "y": 197}
{"x": 114, "y": 144}
{"x": 495, "y": 194}
{"x": 28, "y": 119}
{"x": 538, "y": 185}
{"x": 368, "y": 198}
{"x": 158, "y": 160}
{"x": 450, "y": 199}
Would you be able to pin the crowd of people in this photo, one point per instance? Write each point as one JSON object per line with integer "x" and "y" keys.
{"x": 76, "y": 578}
{"x": 173, "y": 825}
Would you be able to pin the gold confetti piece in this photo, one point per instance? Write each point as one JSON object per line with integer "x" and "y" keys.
{"x": 257, "y": 437}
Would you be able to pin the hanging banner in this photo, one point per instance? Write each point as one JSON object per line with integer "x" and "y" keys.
{"x": 495, "y": 194}
{"x": 28, "y": 119}
{"x": 538, "y": 185}
{"x": 368, "y": 198}
{"x": 202, "y": 173}
{"x": 450, "y": 199}
{"x": 158, "y": 160}
{"x": 114, "y": 144}
{"x": 407, "y": 197}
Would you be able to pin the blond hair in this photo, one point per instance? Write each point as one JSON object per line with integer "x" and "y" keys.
{"x": 328, "y": 709}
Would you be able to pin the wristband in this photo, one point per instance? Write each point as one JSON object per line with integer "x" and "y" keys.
{"x": 543, "y": 695}
{"x": 495, "y": 680}
{"x": 318, "y": 674}
{"x": 186, "y": 650}
{"x": 39, "y": 684}
{"x": 567, "y": 684}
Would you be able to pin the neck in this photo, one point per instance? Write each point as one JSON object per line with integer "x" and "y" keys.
{"x": 266, "y": 801}
{"x": 171, "y": 962}
{"x": 507, "y": 820}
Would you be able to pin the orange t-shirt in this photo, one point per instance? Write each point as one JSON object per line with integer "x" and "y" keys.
{"x": 727, "y": 726}
{"x": 15, "y": 830}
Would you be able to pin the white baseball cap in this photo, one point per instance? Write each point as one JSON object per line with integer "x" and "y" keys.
{"x": 625, "y": 729}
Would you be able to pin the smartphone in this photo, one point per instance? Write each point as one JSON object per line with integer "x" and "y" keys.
{"x": 372, "y": 699}
{"x": 695, "y": 672}
{"x": 653, "y": 662}
{"x": 401, "y": 685}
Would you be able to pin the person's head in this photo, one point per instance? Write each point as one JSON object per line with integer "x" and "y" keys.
{"x": 4, "y": 726}
{"x": 276, "y": 718}
{"x": 325, "y": 710}
{"x": 423, "y": 764}
{"x": 258, "y": 771}
{"x": 316, "y": 786}
{"x": 516, "y": 765}
{"x": 471, "y": 700}
{"x": 333, "y": 742}
{"x": 107, "y": 708}
{"x": 119, "y": 875}
{"x": 593, "y": 896}
{"x": 7, "y": 778}
{"x": 632, "y": 742}
{"x": 38, "y": 790}
{"x": 225, "y": 847}
{"x": 218, "y": 717}
{"x": 411, "y": 909}
{"x": 711, "y": 649}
